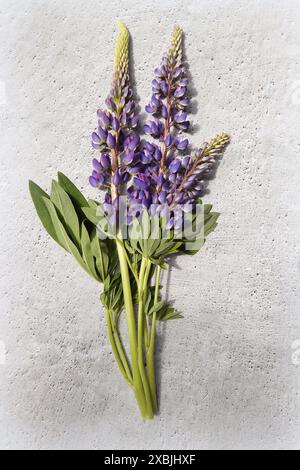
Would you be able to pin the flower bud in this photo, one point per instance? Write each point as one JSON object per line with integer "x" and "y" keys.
{"x": 116, "y": 179}
{"x": 174, "y": 166}
{"x": 105, "y": 160}
{"x": 97, "y": 165}
{"x": 168, "y": 140}
{"x": 183, "y": 144}
{"x": 111, "y": 141}
{"x": 115, "y": 124}
{"x": 93, "y": 182}
{"x": 95, "y": 138}
{"x": 102, "y": 133}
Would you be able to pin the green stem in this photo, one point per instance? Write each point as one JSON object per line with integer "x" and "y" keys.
{"x": 131, "y": 326}
{"x": 144, "y": 295}
{"x": 150, "y": 351}
{"x": 121, "y": 352}
{"x": 128, "y": 262}
{"x": 114, "y": 347}
{"x": 143, "y": 280}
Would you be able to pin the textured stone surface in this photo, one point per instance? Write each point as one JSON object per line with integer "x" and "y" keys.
{"x": 227, "y": 377}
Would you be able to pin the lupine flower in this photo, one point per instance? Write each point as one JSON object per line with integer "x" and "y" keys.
{"x": 172, "y": 179}
{"x": 115, "y": 125}
{"x": 163, "y": 177}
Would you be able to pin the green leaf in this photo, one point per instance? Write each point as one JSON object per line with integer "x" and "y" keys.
{"x": 100, "y": 253}
{"x": 71, "y": 190}
{"x": 148, "y": 301}
{"x": 63, "y": 235}
{"x": 170, "y": 314}
{"x": 66, "y": 209}
{"x": 211, "y": 224}
{"x": 87, "y": 252}
{"x": 90, "y": 214}
{"x": 38, "y": 196}
{"x": 207, "y": 208}
{"x": 112, "y": 296}
{"x": 156, "y": 307}
{"x": 93, "y": 204}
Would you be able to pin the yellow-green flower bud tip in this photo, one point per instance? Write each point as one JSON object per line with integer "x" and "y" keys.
{"x": 176, "y": 43}
{"x": 121, "y": 52}
{"x": 217, "y": 144}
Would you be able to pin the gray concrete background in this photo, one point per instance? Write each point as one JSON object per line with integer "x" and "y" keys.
{"x": 229, "y": 374}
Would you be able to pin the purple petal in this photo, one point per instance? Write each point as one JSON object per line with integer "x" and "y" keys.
{"x": 116, "y": 179}
{"x": 126, "y": 177}
{"x": 180, "y": 117}
{"x": 176, "y": 72}
{"x": 155, "y": 101}
{"x": 124, "y": 119}
{"x": 105, "y": 160}
{"x": 97, "y": 165}
{"x": 179, "y": 198}
{"x": 184, "y": 102}
{"x": 163, "y": 197}
{"x": 93, "y": 182}
{"x": 96, "y": 146}
{"x": 180, "y": 92}
{"x": 160, "y": 180}
{"x": 164, "y": 111}
{"x": 115, "y": 124}
{"x": 175, "y": 165}
{"x": 102, "y": 133}
{"x": 146, "y": 158}
{"x": 101, "y": 179}
{"x": 168, "y": 140}
{"x": 154, "y": 128}
{"x": 184, "y": 125}
{"x": 104, "y": 118}
{"x": 128, "y": 158}
{"x": 155, "y": 84}
{"x": 140, "y": 184}
{"x": 170, "y": 224}
{"x": 147, "y": 129}
{"x": 186, "y": 161}
{"x": 164, "y": 87}
{"x": 134, "y": 121}
{"x": 95, "y": 138}
{"x": 149, "y": 146}
{"x": 111, "y": 141}
{"x": 157, "y": 154}
{"x": 183, "y": 82}
{"x": 183, "y": 144}
{"x": 150, "y": 109}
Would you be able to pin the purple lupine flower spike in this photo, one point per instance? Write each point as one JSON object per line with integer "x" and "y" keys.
{"x": 161, "y": 172}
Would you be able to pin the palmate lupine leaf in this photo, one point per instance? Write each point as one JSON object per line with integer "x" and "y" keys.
{"x": 112, "y": 295}
{"x": 61, "y": 231}
{"x": 87, "y": 252}
{"x": 70, "y": 188}
{"x": 192, "y": 247}
{"x": 38, "y": 196}
{"x": 65, "y": 208}
{"x": 101, "y": 254}
{"x": 62, "y": 221}
{"x": 169, "y": 313}
{"x": 162, "y": 308}
{"x": 91, "y": 214}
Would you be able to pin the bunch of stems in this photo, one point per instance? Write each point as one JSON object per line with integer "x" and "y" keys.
{"x": 139, "y": 373}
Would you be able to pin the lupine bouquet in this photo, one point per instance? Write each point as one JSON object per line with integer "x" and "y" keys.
{"x": 148, "y": 208}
